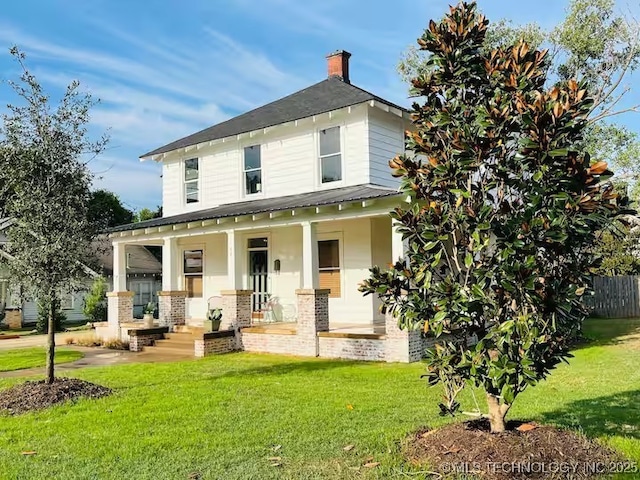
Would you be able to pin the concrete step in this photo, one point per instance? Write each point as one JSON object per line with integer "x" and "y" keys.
{"x": 181, "y": 342}
{"x": 181, "y": 337}
{"x": 182, "y": 350}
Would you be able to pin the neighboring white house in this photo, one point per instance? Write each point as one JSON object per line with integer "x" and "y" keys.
{"x": 288, "y": 201}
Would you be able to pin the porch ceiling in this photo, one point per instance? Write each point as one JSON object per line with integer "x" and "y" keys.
{"x": 335, "y": 196}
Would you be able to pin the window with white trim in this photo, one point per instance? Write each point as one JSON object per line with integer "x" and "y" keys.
{"x": 329, "y": 266}
{"x": 193, "y": 270}
{"x": 191, "y": 180}
{"x": 66, "y": 301}
{"x": 252, "y": 170}
{"x": 330, "y": 155}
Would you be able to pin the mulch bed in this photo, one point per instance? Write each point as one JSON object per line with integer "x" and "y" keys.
{"x": 525, "y": 451}
{"x": 30, "y": 396}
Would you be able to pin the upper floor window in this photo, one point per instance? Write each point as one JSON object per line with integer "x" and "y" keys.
{"x": 191, "y": 177}
{"x": 330, "y": 155}
{"x": 252, "y": 170}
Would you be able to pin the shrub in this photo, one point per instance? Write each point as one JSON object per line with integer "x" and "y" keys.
{"x": 42, "y": 325}
{"x": 95, "y": 303}
{"x": 91, "y": 341}
{"x": 115, "y": 344}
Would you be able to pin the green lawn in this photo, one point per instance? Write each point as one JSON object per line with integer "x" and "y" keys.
{"x": 33, "y": 357}
{"x": 223, "y": 417}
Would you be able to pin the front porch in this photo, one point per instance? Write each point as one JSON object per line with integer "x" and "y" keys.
{"x": 285, "y": 282}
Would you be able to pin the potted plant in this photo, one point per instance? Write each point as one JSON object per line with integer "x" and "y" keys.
{"x": 214, "y": 318}
{"x": 148, "y": 314}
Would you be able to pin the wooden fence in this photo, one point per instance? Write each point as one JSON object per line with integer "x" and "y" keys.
{"x": 615, "y": 297}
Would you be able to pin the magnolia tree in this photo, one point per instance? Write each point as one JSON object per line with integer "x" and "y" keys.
{"x": 45, "y": 187}
{"x": 502, "y": 214}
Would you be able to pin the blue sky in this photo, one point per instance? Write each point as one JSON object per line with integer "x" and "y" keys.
{"x": 163, "y": 69}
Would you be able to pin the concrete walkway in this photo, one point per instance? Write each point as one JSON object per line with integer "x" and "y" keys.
{"x": 97, "y": 357}
{"x": 41, "y": 340}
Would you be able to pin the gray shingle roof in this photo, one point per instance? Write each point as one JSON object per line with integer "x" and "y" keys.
{"x": 333, "y": 196}
{"x": 325, "y": 96}
{"x": 139, "y": 259}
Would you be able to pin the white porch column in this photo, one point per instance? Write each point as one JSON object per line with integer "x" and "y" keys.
{"x": 169, "y": 262}
{"x": 310, "y": 277}
{"x": 398, "y": 246}
{"x": 119, "y": 267}
{"x": 234, "y": 260}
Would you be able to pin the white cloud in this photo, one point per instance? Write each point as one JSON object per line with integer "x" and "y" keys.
{"x": 153, "y": 92}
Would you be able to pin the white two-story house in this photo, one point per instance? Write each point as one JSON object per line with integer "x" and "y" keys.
{"x": 290, "y": 197}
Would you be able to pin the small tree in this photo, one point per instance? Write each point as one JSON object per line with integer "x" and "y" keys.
{"x": 502, "y": 214}
{"x": 45, "y": 187}
{"x": 95, "y": 303}
{"x": 44, "y": 309}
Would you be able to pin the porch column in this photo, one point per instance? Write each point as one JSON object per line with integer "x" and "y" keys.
{"x": 171, "y": 300}
{"x": 400, "y": 345}
{"x": 119, "y": 267}
{"x": 234, "y": 260}
{"x": 310, "y": 276}
{"x": 119, "y": 311}
{"x": 403, "y": 346}
{"x": 236, "y": 312}
{"x": 119, "y": 301}
{"x": 171, "y": 308}
{"x": 169, "y": 264}
{"x": 398, "y": 246}
{"x": 313, "y": 317}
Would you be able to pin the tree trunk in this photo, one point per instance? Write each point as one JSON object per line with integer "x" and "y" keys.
{"x": 497, "y": 413}
{"x": 51, "y": 343}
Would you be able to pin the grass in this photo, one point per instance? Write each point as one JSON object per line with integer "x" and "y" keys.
{"x": 225, "y": 416}
{"x": 33, "y": 357}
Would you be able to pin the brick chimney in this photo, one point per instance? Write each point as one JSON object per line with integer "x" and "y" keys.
{"x": 338, "y": 65}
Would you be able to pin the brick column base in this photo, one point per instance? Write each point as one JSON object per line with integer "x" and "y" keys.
{"x": 403, "y": 346}
{"x": 13, "y": 318}
{"x": 236, "y": 312}
{"x": 119, "y": 310}
{"x": 171, "y": 308}
{"x": 313, "y": 317}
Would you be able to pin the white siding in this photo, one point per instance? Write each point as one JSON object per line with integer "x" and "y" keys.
{"x": 386, "y": 140}
{"x": 289, "y": 156}
{"x": 355, "y": 243}
{"x": 215, "y": 271}
{"x": 380, "y": 253}
{"x": 172, "y": 187}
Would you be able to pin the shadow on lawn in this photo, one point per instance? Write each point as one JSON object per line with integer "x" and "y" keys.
{"x": 617, "y": 414}
{"x": 610, "y": 331}
{"x": 302, "y": 366}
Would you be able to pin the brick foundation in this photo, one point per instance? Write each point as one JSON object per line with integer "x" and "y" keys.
{"x": 353, "y": 347}
{"x": 119, "y": 310}
{"x": 215, "y": 343}
{"x": 285, "y": 343}
{"x": 13, "y": 318}
{"x": 313, "y": 317}
{"x": 171, "y": 308}
{"x": 402, "y": 345}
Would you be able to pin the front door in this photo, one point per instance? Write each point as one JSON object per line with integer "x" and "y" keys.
{"x": 258, "y": 272}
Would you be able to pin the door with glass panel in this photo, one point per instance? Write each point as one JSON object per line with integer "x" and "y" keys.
{"x": 258, "y": 250}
